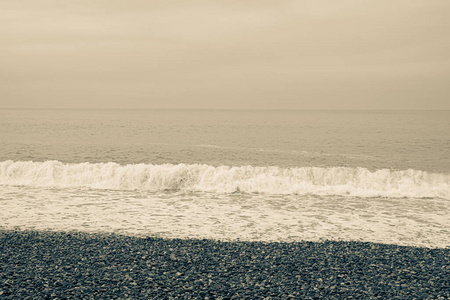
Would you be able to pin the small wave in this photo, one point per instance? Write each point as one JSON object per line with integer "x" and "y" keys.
{"x": 359, "y": 182}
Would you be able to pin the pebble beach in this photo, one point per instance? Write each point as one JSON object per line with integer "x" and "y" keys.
{"x": 224, "y": 150}
{"x": 75, "y": 265}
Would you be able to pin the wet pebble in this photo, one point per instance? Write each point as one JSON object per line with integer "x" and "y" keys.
{"x": 79, "y": 265}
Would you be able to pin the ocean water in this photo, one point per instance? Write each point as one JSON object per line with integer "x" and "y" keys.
{"x": 267, "y": 175}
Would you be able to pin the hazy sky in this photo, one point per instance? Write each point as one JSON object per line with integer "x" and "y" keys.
{"x": 346, "y": 54}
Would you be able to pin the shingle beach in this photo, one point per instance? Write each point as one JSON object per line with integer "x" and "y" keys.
{"x": 59, "y": 265}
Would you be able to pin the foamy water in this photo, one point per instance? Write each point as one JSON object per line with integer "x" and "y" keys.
{"x": 402, "y": 221}
{"x": 229, "y": 175}
{"x": 339, "y": 181}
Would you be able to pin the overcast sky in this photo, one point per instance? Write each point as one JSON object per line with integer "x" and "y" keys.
{"x": 346, "y": 54}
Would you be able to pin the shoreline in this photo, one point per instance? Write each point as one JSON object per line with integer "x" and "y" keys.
{"x": 46, "y": 264}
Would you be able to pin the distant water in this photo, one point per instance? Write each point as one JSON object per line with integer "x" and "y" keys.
{"x": 379, "y": 176}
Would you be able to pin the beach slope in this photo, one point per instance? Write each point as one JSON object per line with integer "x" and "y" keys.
{"x": 80, "y": 265}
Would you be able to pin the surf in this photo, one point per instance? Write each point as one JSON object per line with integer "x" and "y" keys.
{"x": 346, "y": 181}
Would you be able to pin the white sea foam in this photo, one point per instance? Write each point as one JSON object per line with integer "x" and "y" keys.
{"x": 359, "y": 182}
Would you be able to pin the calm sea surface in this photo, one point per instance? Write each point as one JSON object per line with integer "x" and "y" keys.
{"x": 380, "y": 176}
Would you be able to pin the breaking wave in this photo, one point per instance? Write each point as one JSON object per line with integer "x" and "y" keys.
{"x": 225, "y": 179}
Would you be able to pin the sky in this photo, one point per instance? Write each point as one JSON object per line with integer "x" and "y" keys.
{"x": 222, "y": 54}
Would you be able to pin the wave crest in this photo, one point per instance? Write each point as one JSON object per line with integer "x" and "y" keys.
{"x": 226, "y": 179}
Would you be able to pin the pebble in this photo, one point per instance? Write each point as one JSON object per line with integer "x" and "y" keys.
{"x": 57, "y": 265}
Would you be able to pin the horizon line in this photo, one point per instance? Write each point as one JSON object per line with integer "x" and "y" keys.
{"x": 184, "y": 108}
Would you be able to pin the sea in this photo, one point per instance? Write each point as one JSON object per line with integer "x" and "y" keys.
{"x": 230, "y": 175}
